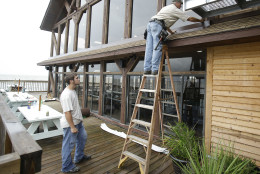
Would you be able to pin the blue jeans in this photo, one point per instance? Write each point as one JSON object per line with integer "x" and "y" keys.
{"x": 152, "y": 57}
{"x": 69, "y": 141}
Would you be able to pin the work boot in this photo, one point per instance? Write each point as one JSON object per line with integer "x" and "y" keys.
{"x": 147, "y": 72}
{"x": 155, "y": 72}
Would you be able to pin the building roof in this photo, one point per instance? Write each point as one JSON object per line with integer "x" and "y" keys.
{"x": 137, "y": 45}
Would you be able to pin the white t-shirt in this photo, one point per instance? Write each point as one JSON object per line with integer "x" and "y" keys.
{"x": 69, "y": 102}
{"x": 170, "y": 14}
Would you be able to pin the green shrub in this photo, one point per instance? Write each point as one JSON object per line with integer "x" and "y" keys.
{"x": 182, "y": 142}
{"x": 220, "y": 161}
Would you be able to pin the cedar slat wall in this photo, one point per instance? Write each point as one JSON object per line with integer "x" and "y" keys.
{"x": 235, "y": 98}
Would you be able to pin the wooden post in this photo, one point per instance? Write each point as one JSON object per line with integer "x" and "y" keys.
{"x": 40, "y": 98}
{"x": 18, "y": 85}
{"x": 209, "y": 89}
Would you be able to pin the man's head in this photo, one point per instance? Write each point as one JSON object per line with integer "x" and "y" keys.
{"x": 177, "y": 3}
{"x": 72, "y": 79}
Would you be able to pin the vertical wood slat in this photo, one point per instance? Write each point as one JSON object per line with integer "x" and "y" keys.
{"x": 88, "y": 27}
{"x": 59, "y": 39}
{"x": 128, "y": 19}
{"x": 105, "y": 21}
{"x": 66, "y": 37}
{"x": 102, "y": 68}
{"x": 208, "y": 113}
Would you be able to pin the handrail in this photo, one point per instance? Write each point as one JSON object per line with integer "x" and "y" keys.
{"x": 14, "y": 137}
{"x": 30, "y": 85}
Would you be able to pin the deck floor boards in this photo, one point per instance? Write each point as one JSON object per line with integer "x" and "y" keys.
{"x": 105, "y": 149}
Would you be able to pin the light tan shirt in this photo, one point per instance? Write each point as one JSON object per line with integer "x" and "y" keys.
{"x": 170, "y": 14}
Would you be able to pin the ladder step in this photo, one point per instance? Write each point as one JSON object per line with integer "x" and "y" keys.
{"x": 170, "y": 115}
{"x": 147, "y": 90}
{"x": 147, "y": 124}
{"x": 139, "y": 140}
{"x": 134, "y": 157}
{"x": 167, "y": 102}
{"x": 150, "y": 75}
{"x": 144, "y": 106}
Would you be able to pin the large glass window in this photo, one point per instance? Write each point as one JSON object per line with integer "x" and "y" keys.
{"x": 143, "y": 10}
{"x": 93, "y": 82}
{"x": 112, "y": 96}
{"x": 82, "y": 31}
{"x": 82, "y": 2}
{"x": 112, "y": 67}
{"x": 79, "y": 89}
{"x": 96, "y": 24}
{"x": 62, "y": 42}
{"x": 71, "y": 36}
{"x": 116, "y": 20}
{"x": 59, "y": 84}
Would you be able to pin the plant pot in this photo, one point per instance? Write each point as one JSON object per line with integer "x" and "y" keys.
{"x": 177, "y": 163}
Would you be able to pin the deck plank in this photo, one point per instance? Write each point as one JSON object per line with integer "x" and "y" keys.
{"x": 105, "y": 149}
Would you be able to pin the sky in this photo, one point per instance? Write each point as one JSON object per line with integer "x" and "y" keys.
{"x": 22, "y": 43}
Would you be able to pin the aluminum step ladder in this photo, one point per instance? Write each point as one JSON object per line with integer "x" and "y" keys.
{"x": 156, "y": 109}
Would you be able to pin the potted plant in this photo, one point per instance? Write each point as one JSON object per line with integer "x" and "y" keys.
{"x": 181, "y": 143}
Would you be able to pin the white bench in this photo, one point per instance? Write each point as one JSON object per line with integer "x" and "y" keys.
{"x": 35, "y": 118}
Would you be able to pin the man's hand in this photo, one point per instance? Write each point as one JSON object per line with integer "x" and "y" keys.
{"x": 74, "y": 130}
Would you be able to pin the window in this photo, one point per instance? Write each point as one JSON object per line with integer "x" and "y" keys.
{"x": 92, "y": 92}
{"x": 112, "y": 96}
{"x": 96, "y": 24}
{"x": 79, "y": 89}
{"x": 112, "y": 67}
{"x": 143, "y": 10}
{"x": 116, "y": 20}
{"x": 62, "y": 42}
{"x": 71, "y": 36}
{"x": 82, "y": 31}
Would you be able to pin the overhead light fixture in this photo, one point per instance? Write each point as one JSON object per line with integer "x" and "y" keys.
{"x": 92, "y": 65}
{"x": 200, "y": 51}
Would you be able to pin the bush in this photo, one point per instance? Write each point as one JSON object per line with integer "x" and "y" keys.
{"x": 182, "y": 142}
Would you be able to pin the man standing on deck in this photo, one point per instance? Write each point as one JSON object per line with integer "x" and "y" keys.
{"x": 164, "y": 19}
{"x": 74, "y": 132}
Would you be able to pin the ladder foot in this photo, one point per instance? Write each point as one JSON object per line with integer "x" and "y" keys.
{"x": 121, "y": 162}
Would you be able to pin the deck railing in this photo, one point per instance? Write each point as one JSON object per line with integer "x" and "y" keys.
{"x": 19, "y": 153}
{"x": 30, "y": 85}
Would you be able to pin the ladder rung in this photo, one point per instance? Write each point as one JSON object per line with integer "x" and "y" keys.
{"x": 134, "y": 157}
{"x": 139, "y": 140}
{"x": 171, "y": 103}
{"x": 144, "y": 106}
{"x": 150, "y": 75}
{"x": 147, "y": 90}
{"x": 169, "y": 90}
{"x": 147, "y": 124}
{"x": 170, "y": 115}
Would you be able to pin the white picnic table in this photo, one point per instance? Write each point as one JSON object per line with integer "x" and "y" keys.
{"x": 15, "y": 100}
{"x": 35, "y": 118}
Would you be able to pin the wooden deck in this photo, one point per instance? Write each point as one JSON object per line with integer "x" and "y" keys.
{"x": 105, "y": 149}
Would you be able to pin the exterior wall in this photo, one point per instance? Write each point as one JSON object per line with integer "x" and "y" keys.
{"x": 233, "y": 98}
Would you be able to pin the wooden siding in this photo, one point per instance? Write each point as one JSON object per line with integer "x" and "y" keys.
{"x": 233, "y": 93}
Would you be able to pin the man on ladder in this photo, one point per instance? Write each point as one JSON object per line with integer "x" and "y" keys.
{"x": 166, "y": 17}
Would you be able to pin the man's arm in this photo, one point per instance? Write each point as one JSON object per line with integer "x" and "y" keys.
{"x": 192, "y": 19}
{"x": 70, "y": 121}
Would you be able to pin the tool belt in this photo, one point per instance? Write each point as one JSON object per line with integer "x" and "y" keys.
{"x": 160, "y": 22}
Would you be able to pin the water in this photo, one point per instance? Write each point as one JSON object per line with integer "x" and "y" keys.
{"x": 23, "y": 77}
